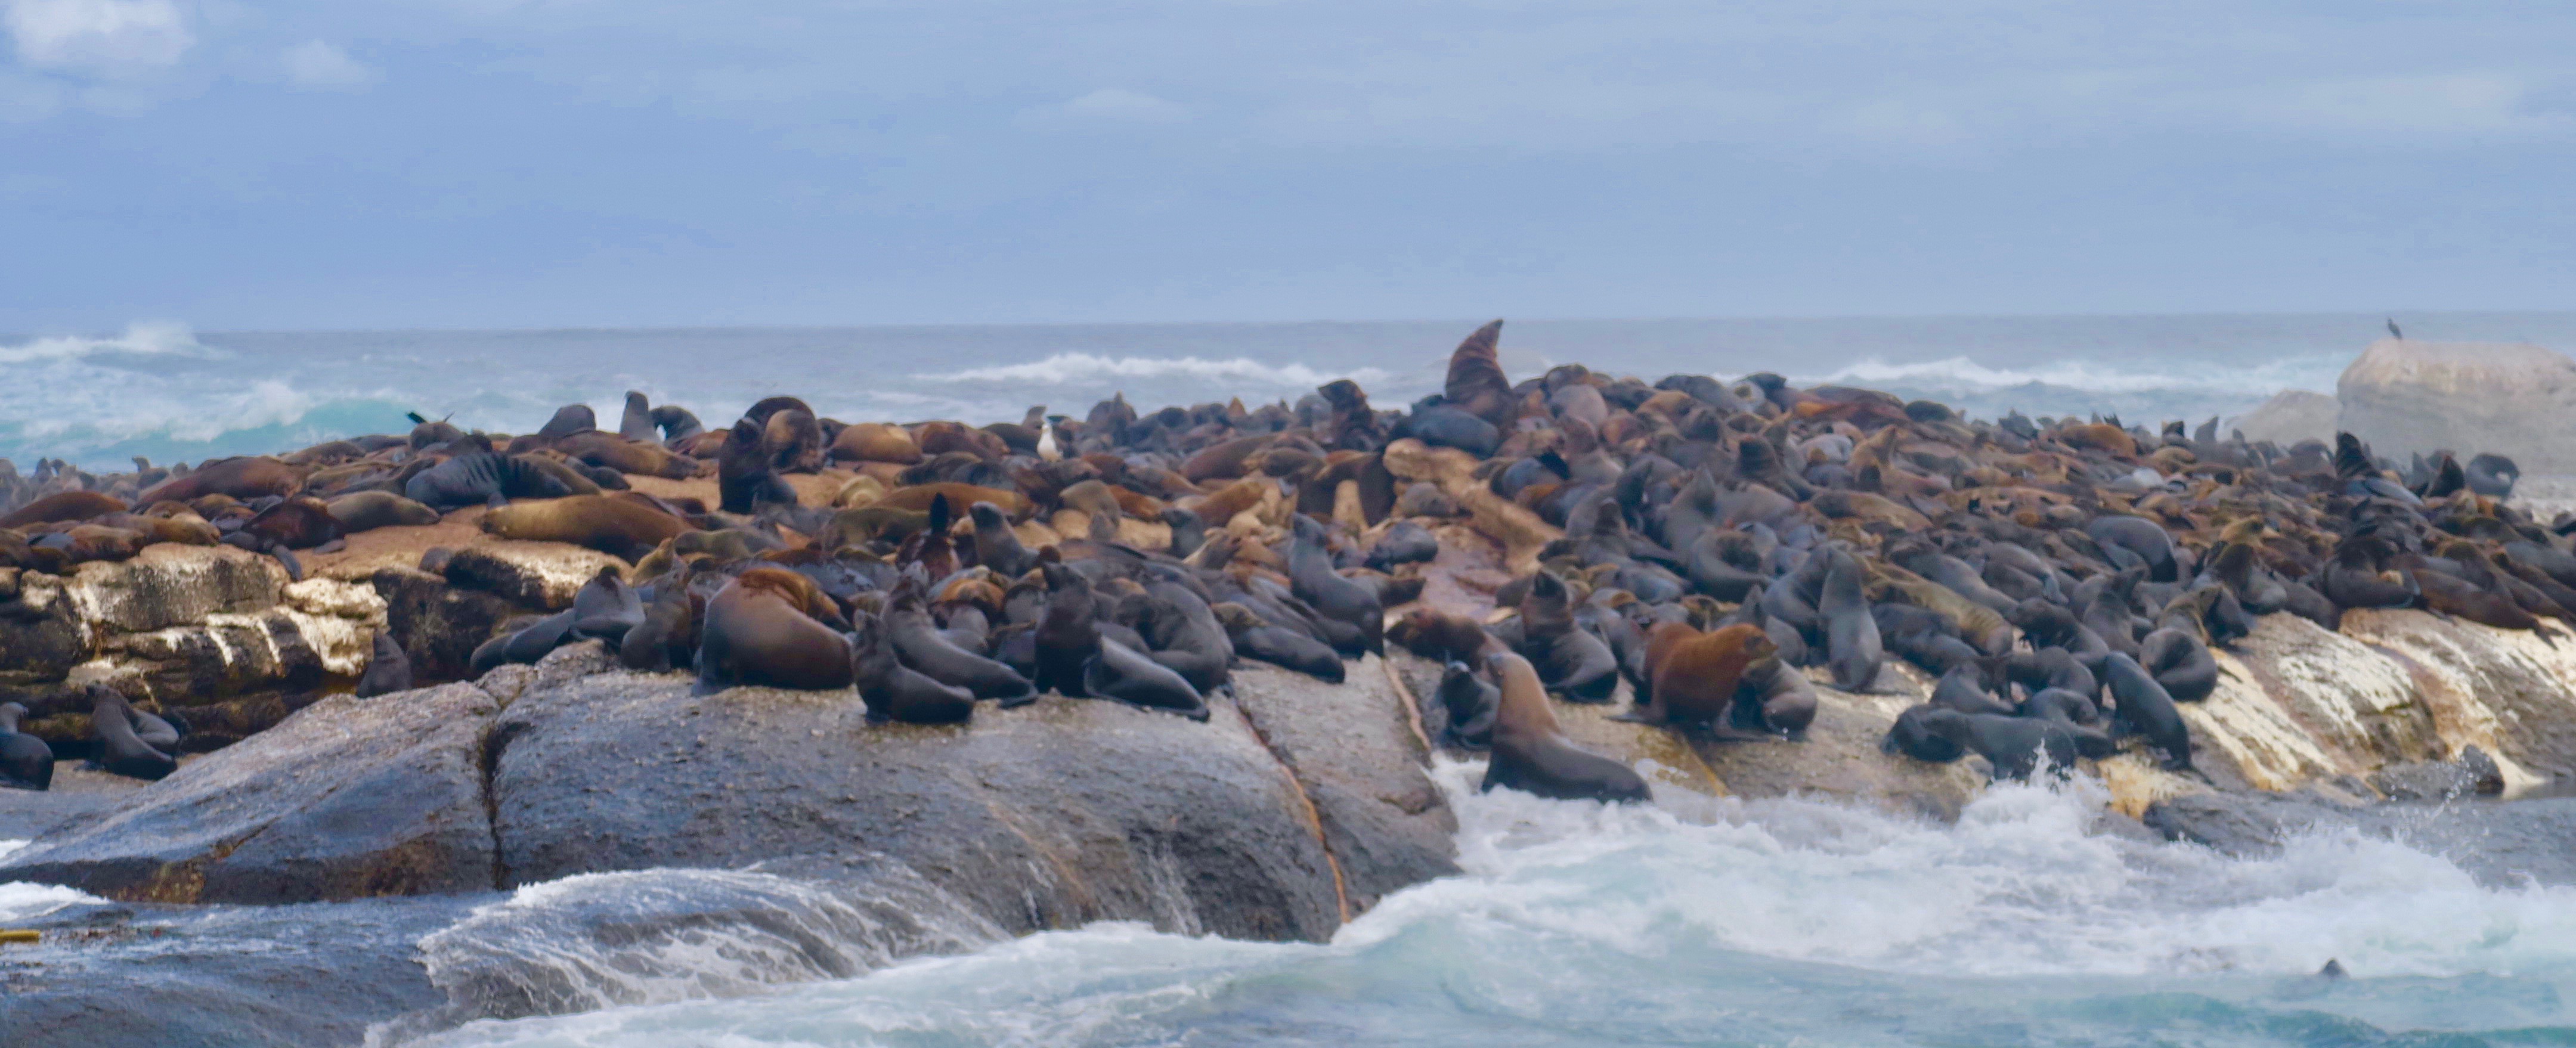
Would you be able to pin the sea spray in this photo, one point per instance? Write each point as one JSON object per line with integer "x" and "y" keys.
{"x": 1699, "y": 920}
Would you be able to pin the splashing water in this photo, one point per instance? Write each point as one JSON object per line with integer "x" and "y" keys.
{"x": 1703, "y": 921}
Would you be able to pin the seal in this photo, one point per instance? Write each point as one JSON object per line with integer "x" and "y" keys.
{"x": 2177, "y": 659}
{"x": 2143, "y": 705}
{"x": 895, "y": 692}
{"x": 1068, "y": 632}
{"x": 388, "y": 670}
{"x": 615, "y": 525}
{"x": 64, "y": 506}
{"x": 636, "y": 422}
{"x": 245, "y": 478}
{"x": 605, "y": 608}
{"x": 641, "y": 457}
{"x": 1963, "y": 688}
{"x": 483, "y": 478}
{"x": 2013, "y": 746}
{"x": 1912, "y": 735}
{"x": 522, "y": 641}
{"x": 676, "y": 423}
{"x": 1530, "y": 751}
{"x": 369, "y": 510}
{"x": 759, "y": 630}
{"x": 1475, "y": 383}
{"x": 875, "y": 442}
{"x": 26, "y": 763}
{"x": 669, "y": 622}
{"x": 913, "y": 637}
{"x": 745, "y": 480}
{"x": 1695, "y": 674}
{"x": 1575, "y": 663}
{"x": 1472, "y": 704}
{"x": 1184, "y": 634}
{"x": 1253, "y": 638}
{"x": 1851, "y": 634}
{"x": 121, "y": 751}
{"x": 1773, "y": 696}
{"x": 1122, "y": 673}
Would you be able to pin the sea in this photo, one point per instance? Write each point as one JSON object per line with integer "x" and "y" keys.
{"x": 167, "y": 392}
{"x": 2031, "y": 920}
{"x": 1695, "y": 921}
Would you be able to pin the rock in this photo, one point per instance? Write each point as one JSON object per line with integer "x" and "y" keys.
{"x": 2405, "y": 396}
{"x": 347, "y": 799}
{"x": 1053, "y": 815}
{"x": 2503, "y": 844}
{"x": 213, "y": 631}
{"x": 1663, "y": 757}
{"x": 1358, "y": 754}
{"x": 438, "y": 625}
{"x": 2292, "y": 415}
{"x": 541, "y": 575}
{"x": 120, "y": 976}
{"x": 1839, "y": 755}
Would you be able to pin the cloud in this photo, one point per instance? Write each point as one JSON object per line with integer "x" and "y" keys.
{"x": 2438, "y": 105}
{"x": 317, "y": 65}
{"x": 105, "y": 37}
{"x": 1117, "y": 105}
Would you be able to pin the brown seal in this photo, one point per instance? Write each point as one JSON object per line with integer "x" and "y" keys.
{"x": 619, "y": 527}
{"x": 626, "y": 455}
{"x": 876, "y": 442}
{"x": 759, "y": 630}
{"x": 1693, "y": 675}
{"x": 241, "y": 478}
{"x": 1476, "y": 383}
{"x": 62, "y": 506}
{"x": 369, "y": 510}
{"x": 1531, "y": 753}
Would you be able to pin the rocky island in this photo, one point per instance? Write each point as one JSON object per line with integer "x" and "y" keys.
{"x": 874, "y": 690}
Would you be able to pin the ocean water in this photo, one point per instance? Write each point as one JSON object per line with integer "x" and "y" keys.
{"x": 169, "y": 393}
{"x": 1694, "y": 922}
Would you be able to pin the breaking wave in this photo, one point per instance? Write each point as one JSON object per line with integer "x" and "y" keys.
{"x": 1783, "y": 921}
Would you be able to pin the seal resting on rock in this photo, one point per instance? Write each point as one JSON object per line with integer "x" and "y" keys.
{"x": 369, "y": 510}
{"x": 895, "y": 692}
{"x": 121, "y": 750}
{"x": 621, "y": 526}
{"x": 388, "y": 670}
{"x": 1694, "y": 675}
{"x": 1530, "y": 752}
{"x": 26, "y": 763}
{"x": 1120, "y": 672}
{"x": 760, "y": 629}
{"x": 1472, "y": 703}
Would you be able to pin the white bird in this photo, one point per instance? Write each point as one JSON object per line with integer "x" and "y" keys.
{"x": 1048, "y": 448}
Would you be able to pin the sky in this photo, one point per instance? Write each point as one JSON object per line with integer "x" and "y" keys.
{"x": 535, "y": 163}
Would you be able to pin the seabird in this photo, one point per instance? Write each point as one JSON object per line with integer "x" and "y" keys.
{"x": 2393, "y": 332}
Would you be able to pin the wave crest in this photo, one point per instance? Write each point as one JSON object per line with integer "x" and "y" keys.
{"x": 157, "y": 338}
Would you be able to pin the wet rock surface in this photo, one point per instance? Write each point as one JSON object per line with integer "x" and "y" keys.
{"x": 349, "y": 799}
{"x": 2501, "y": 844}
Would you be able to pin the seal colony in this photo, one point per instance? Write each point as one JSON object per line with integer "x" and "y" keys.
{"x": 1710, "y": 550}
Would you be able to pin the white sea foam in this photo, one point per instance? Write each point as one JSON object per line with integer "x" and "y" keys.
{"x": 142, "y": 339}
{"x": 2088, "y": 375}
{"x": 20, "y": 901}
{"x": 1075, "y": 368}
{"x": 1774, "y": 921}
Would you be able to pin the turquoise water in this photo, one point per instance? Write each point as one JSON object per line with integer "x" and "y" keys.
{"x": 1714, "y": 922}
{"x": 168, "y": 393}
